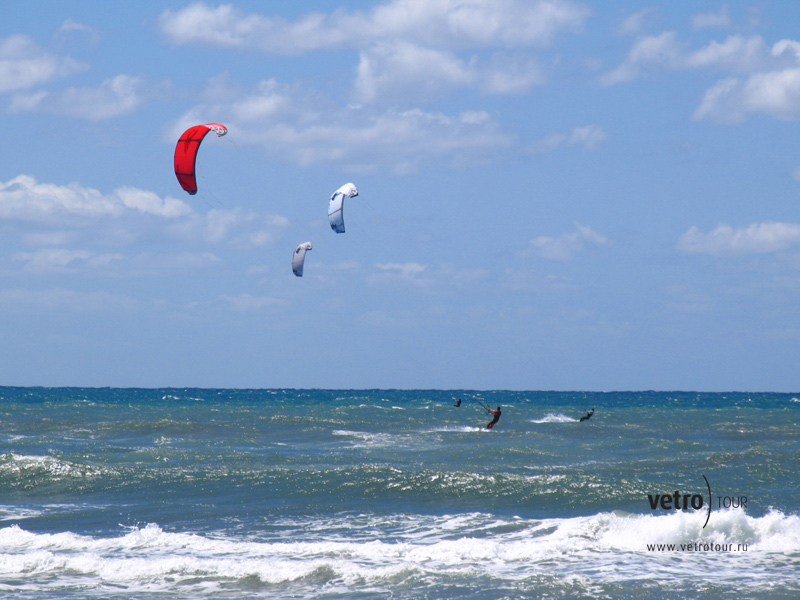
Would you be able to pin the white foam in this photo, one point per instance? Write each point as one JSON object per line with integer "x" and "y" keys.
{"x": 13, "y": 513}
{"x": 49, "y": 466}
{"x": 458, "y": 429}
{"x": 555, "y": 418}
{"x": 351, "y": 552}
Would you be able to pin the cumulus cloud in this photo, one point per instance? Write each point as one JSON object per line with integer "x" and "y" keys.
{"x": 665, "y": 52}
{"x": 411, "y": 52}
{"x": 112, "y": 98}
{"x": 775, "y": 93}
{"x": 241, "y": 228}
{"x": 647, "y": 52}
{"x": 761, "y": 79}
{"x": 408, "y": 49}
{"x": 506, "y": 73}
{"x": 758, "y": 238}
{"x": 736, "y": 54}
{"x": 432, "y": 23}
{"x": 27, "y": 199}
{"x": 66, "y": 229}
{"x": 402, "y": 70}
{"x": 295, "y": 124}
{"x": 24, "y": 64}
{"x": 567, "y": 245}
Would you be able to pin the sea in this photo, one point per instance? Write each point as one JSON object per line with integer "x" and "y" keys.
{"x": 373, "y": 494}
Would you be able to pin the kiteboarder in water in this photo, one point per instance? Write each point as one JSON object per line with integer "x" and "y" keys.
{"x": 495, "y": 418}
{"x": 588, "y": 414}
{"x": 458, "y": 402}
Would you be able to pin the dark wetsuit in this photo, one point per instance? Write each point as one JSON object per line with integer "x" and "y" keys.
{"x": 588, "y": 415}
{"x": 458, "y": 402}
{"x": 495, "y": 418}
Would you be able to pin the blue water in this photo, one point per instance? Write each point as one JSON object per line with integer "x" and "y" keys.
{"x": 373, "y": 494}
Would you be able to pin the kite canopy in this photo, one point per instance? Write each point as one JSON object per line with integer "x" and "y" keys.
{"x": 186, "y": 153}
{"x": 299, "y": 258}
{"x": 336, "y": 206}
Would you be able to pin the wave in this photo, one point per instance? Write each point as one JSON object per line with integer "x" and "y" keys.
{"x": 555, "y": 418}
{"x": 365, "y": 438}
{"x": 367, "y": 552}
{"x": 28, "y": 471}
{"x": 458, "y": 429}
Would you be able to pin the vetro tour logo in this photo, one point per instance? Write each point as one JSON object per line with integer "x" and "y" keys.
{"x": 678, "y": 501}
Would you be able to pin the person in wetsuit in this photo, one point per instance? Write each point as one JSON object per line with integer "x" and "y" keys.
{"x": 588, "y": 414}
{"x": 458, "y": 402}
{"x": 495, "y": 418}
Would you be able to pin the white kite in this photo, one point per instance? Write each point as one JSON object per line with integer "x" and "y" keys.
{"x": 299, "y": 258}
{"x": 336, "y": 206}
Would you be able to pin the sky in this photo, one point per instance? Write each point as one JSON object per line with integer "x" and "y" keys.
{"x": 553, "y": 195}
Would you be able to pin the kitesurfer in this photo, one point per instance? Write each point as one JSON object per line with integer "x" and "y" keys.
{"x": 458, "y": 402}
{"x": 495, "y": 418}
{"x": 588, "y": 414}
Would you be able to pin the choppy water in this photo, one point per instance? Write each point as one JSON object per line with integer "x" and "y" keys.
{"x": 125, "y": 493}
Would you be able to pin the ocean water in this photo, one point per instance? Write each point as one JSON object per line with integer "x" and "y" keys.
{"x": 374, "y": 494}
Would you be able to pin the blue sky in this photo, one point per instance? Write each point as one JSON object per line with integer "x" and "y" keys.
{"x": 553, "y": 195}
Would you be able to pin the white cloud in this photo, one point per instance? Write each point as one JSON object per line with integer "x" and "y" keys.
{"x": 295, "y": 124}
{"x": 149, "y": 203}
{"x": 510, "y": 74}
{"x": 589, "y": 137}
{"x": 70, "y": 26}
{"x": 405, "y": 274}
{"x": 665, "y": 52}
{"x": 565, "y": 246}
{"x": 735, "y": 54}
{"x": 250, "y": 303}
{"x": 25, "y": 198}
{"x": 181, "y": 261}
{"x": 401, "y": 70}
{"x": 442, "y": 278}
{"x": 409, "y": 70}
{"x": 73, "y": 227}
{"x": 720, "y": 19}
{"x": 433, "y": 23}
{"x": 24, "y": 64}
{"x": 762, "y": 79}
{"x": 242, "y": 228}
{"x": 62, "y": 259}
{"x": 775, "y": 93}
{"x": 648, "y": 52}
{"x": 114, "y": 97}
{"x": 634, "y": 22}
{"x": 758, "y": 238}
{"x": 408, "y": 49}
{"x": 72, "y": 31}
{"x": 58, "y": 299}
{"x": 405, "y": 269}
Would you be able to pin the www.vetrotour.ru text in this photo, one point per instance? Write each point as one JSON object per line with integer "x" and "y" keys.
{"x": 697, "y": 547}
